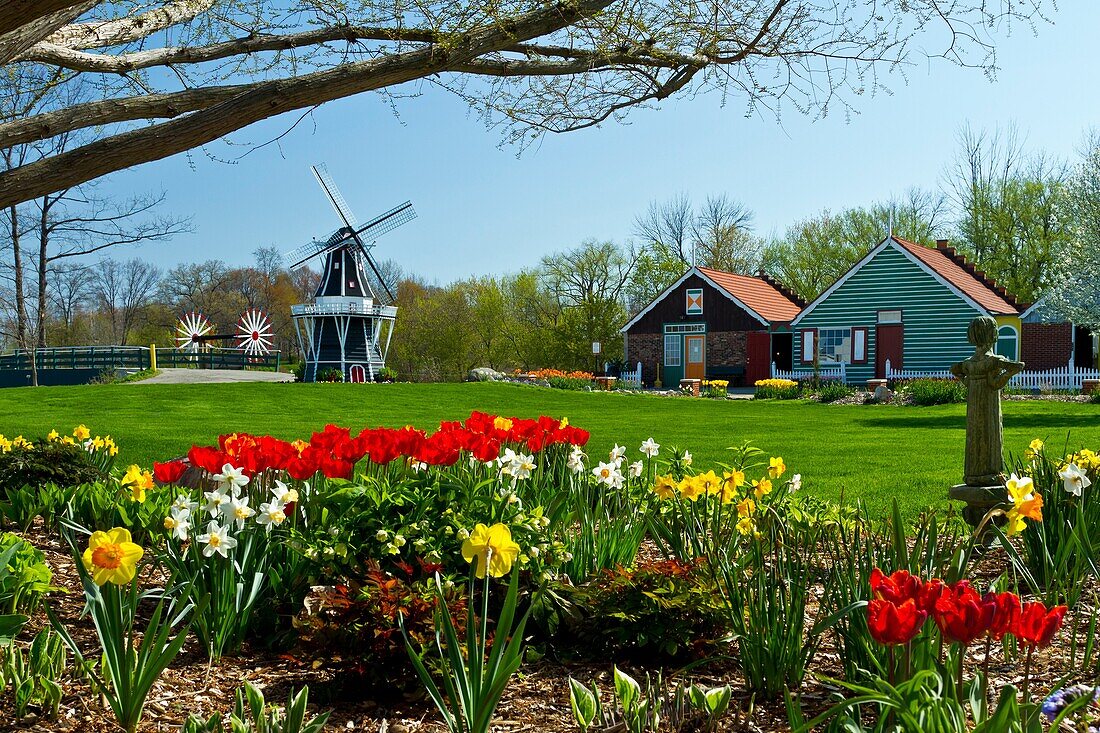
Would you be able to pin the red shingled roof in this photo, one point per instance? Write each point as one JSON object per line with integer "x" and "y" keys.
{"x": 764, "y": 297}
{"x": 956, "y": 270}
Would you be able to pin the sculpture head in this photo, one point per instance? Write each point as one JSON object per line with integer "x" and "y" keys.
{"x": 982, "y": 332}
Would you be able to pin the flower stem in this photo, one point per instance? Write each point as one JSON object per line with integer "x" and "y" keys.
{"x": 959, "y": 679}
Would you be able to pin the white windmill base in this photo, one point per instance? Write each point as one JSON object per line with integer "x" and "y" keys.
{"x": 349, "y": 334}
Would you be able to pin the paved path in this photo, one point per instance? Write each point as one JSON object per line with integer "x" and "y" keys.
{"x": 214, "y": 376}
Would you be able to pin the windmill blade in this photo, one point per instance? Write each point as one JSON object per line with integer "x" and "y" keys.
{"x": 387, "y": 222}
{"x": 334, "y": 196}
{"x": 377, "y": 273}
{"x": 300, "y": 255}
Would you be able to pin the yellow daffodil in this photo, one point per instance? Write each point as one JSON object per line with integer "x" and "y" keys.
{"x": 502, "y": 423}
{"x": 1026, "y": 503}
{"x": 761, "y": 488}
{"x": 691, "y": 488}
{"x": 776, "y": 467}
{"x": 564, "y": 423}
{"x": 81, "y": 432}
{"x": 68, "y": 440}
{"x": 664, "y": 487}
{"x": 5, "y": 445}
{"x": 746, "y": 507}
{"x": 111, "y": 557}
{"x": 138, "y": 482}
{"x": 746, "y": 526}
{"x": 97, "y": 443}
{"x": 1033, "y": 449}
{"x": 53, "y": 436}
{"x": 492, "y": 548}
{"x": 710, "y": 482}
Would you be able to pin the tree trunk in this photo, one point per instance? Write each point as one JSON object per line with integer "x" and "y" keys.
{"x": 43, "y": 270}
{"x": 20, "y": 295}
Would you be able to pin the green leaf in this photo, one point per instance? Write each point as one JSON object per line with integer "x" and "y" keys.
{"x": 583, "y": 702}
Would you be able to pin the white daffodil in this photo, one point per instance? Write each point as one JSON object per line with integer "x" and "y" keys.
{"x": 382, "y": 535}
{"x": 272, "y": 514}
{"x": 617, "y": 453}
{"x": 282, "y": 494}
{"x": 183, "y": 503}
{"x": 506, "y": 460}
{"x": 241, "y": 511}
{"x": 231, "y": 479}
{"x": 216, "y": 539}
{"x": 576, "y": 460}
{"x": 796, "y": 482}
{"x": 178, "y": 522}
{"x": 216, "y": 502}
{"x": 1074, "y": 479}
{"x": 650, "y": 448}
{"x": 687, "y": 458}
{"x": 635, "y": 469}
{"x": 523, "y": 467}
{"x": 608, "y": 473}
{"x": 418, "y": 466}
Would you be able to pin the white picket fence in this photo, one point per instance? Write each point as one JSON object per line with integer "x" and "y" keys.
{"x": 838, "y": 372}
{"x": 1067, "y": 377}
{"x": 633, "y": 379}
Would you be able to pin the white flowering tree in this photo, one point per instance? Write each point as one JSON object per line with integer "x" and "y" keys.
{"x": 1073, "y": 289}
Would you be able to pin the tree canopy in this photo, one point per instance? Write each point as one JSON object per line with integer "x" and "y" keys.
{"x": 173, "y": 75}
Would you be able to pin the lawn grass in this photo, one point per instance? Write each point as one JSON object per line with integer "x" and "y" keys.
{"x": 843, "y": 452}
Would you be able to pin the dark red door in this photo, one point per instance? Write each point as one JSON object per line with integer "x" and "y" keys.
{"x": 758, "y": 362}
{"x": 889, "y": 346}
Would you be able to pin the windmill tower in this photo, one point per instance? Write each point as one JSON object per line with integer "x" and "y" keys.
{"x": 349, "y": 324}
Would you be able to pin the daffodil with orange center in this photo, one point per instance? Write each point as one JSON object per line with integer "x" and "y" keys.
{"x": 111, "y": 557}
{"x": 1027, "y": 503}
{"x": 664, "y": 487}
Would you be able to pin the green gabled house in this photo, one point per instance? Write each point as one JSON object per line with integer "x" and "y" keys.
{"x": 903, "y": 304}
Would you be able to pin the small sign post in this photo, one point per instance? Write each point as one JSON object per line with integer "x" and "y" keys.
{"x": 595, "y": 357}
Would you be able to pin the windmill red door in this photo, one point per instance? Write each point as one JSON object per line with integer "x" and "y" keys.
{"x": 889, "y": 346}
{"x": 758, "y": 362}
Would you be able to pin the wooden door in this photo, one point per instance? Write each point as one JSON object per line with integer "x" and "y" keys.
{"x": 889, "y": 346}
{"x": 758, "y": 360}
{"x": 695, "y": 366}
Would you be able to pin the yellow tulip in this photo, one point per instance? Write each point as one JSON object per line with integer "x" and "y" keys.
{"x": 502, "y": 423}
{"x": 492, "y": 548}
{"x": 111, "y": 557}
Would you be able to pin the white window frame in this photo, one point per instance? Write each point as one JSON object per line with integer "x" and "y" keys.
{"x": 882, "y": 316}
{"x": 822, "y": 332}
{"x": 673, "y": 357}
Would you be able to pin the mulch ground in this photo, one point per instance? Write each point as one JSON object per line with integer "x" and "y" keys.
{"x": 537, "y": 699}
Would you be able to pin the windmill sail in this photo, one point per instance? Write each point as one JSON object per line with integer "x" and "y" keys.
{"x": 334, "y": 196}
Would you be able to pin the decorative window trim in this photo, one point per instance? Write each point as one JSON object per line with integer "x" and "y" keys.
{"x": 693, "y": 305}
{"x": 1014, "y": 337}
{"x": 685, "y": 328}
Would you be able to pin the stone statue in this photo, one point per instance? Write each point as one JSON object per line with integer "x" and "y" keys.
{"x": 985, "y": 375}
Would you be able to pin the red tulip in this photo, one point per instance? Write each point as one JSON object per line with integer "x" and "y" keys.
{"x": 170, "y": 472}
{"x": 902, "y": 585}
{"x": 333, "y": 467}
{"x": 1006, "y": 613}
{"x": 962, "y": 615}
{"x": 1037, "y": 626}
{"x": 892, "y": 623}
{"x": 207, "y": 458}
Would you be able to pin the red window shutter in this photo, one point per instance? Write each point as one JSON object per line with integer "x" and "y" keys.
{"x": 809, "y": 345}
{"x": 859, "y": 345}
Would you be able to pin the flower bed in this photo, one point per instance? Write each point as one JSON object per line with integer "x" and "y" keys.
{"x": 399, "y": 559}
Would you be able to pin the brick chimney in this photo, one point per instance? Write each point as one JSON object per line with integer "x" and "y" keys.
{"x": 941, "y": 244}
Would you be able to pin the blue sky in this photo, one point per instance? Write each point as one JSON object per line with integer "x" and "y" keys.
{"x": 483, "y": 210}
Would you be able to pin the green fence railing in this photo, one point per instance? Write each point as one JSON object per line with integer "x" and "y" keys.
{"x": 135, "y": 357}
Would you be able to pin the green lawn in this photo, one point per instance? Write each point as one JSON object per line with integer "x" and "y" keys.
{"x": 841, "y": 451}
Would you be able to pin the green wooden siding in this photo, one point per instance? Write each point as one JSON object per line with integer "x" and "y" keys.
{"x": 934, "y": 317}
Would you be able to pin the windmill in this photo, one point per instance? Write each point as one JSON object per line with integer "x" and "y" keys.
{"x": 349, "y": 324}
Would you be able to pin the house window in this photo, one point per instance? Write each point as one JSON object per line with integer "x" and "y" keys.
{"x": 889, "y": 316}
{"x": 686, "y": 328}
{"x": 1007, "y": 342}
{"x": 835, "y": 345}
{"x": 673, "y": 349}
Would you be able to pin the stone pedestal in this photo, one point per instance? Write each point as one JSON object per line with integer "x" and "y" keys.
{"x": 979, "y": 500}
{"x": 605, "y": 383}
{"x": 692, "y": 385}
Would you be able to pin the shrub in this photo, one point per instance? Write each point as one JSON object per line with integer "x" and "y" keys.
{"x": 24, "y": 578}
{"x": 299, "y": 371}
{"x": 927, "y": 392}
{"x": 1094, "y": 398}
{"x": 331, "y": 374}
{"x": 833, "y": 391}
{"x": 386, "y": 374}
{"x": 667, "y": 609}
{"x": 571, "y": 383}
{"x": 46, "y": 462}
{"x": 776, "y": 389}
